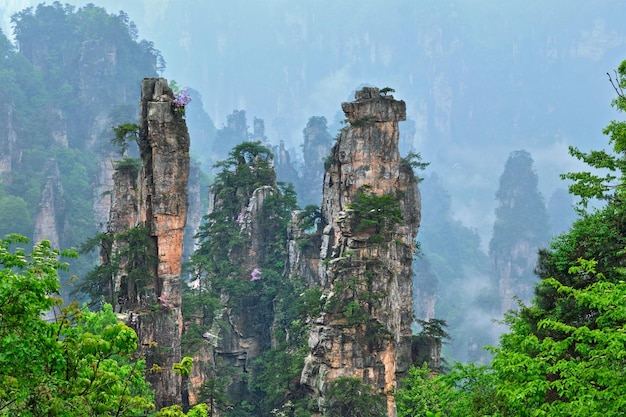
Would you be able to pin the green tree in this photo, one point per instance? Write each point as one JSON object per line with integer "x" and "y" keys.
{"x": 199, "y": 410}
{"x": 123, "y": 255}
{"x": 351, "y": 397}
{"x": 212, "y": 392}
{"x": 421, "y": 393}
{"x": 559, "y": 357}
{"x": 564, "y": 353}
{"x": 377, "y": 214}
{"x": 76, "y": 362}
{"x": 561, "y": 369}
{"x": 15, "y": 216}
{"x": 248, "y": 167}
{"x": 271, "y": 300}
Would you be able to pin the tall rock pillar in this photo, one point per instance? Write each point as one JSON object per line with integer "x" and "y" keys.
{"x": 164, "y": 148}
{"x": 146, "y": 226}
{"x": 371, "y": 211}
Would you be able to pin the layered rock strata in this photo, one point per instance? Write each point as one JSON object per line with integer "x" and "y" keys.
{"x": 370, "y": 213}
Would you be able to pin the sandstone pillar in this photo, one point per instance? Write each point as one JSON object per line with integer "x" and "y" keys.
{"x": 365, "y": 271}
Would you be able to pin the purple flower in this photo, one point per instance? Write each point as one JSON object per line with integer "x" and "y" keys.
{"x": 256, "y": 275}
{"x": 240, "y": 218}
{"x": 181, "y": 98}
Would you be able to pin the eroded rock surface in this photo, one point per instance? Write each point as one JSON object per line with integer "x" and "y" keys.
{"x": 365, "y": 258}
{"x": 152, "y": 199}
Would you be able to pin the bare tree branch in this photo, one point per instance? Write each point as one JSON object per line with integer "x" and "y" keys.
{"x": 618, "y": 89}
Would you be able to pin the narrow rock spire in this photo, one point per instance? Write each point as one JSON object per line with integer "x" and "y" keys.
{"x": 371, "y": 212}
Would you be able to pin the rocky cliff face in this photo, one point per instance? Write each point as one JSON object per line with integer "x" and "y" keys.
{"x": 8, "y": 137}
{"x": 521, "y": 227}
{"x": 316, "y": 146}
{"x": 195, "y": 210}
{"x": 514, "y": 271}
{"x": 152, "y": 200}
{"x": 164, "y": 146}
{"x": 371, "y": 212}
{"x": 45, "y": 219}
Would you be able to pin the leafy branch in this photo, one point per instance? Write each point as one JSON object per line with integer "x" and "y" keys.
{"x": 124, "y": 134}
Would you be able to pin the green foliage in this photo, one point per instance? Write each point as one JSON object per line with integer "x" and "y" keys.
{"x": 434, "y": 328}
{"x": 22, "y": 88}
{"x": 273, "y": 300}
{"x": 363, "y": 121}
{"x": 279, "y": 373}
{"x": 54, "y": 36}
{"x": 124, "y": 134}
{"x": 131, "y": 164}
{"x": 378, "y": 214}
{"x": 414, "y": 160}
{"x": 183, "y": 367}
{"x": 426, "y": 345}
{"x": 590, "y": 185}
{"x": 15, "y": 217}
{"x": 28, "y": 179}
{"x": 351, "y": 397}
{"x": 311, "y": 304}
{"x": 387, "y": 90}
{"x": 248, "y": 167}
{"x": 212, "y": 392}
{"x": 122, "y": 254}
{"x": 199, "y": 410}
{"x": 467, "y": 391}
{"x": 309, "y": 218}
{"x": 355, "y": 313}
{"x": 576, "y": 370}
{"x": 421, "y": 394}
{"x": 79, "y": 363}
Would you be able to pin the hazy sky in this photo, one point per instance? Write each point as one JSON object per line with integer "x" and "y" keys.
{"x": 481, "y": 78}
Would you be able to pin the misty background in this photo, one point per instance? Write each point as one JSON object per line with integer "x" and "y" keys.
{"x": 481, "y": 79}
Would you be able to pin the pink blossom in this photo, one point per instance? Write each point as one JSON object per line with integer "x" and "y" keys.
{"x": 240, "y": 218}
{"x": 164, "y": 301}
{"x": 256, "y": 275}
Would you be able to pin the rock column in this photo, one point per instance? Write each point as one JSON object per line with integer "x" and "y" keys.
{"x": 365, "y": 329}
{"x": 150, "y": 198}
{"x": 164, "y": 147}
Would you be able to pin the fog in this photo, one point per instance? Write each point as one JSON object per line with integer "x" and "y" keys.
{"x": 480, "y": 79}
